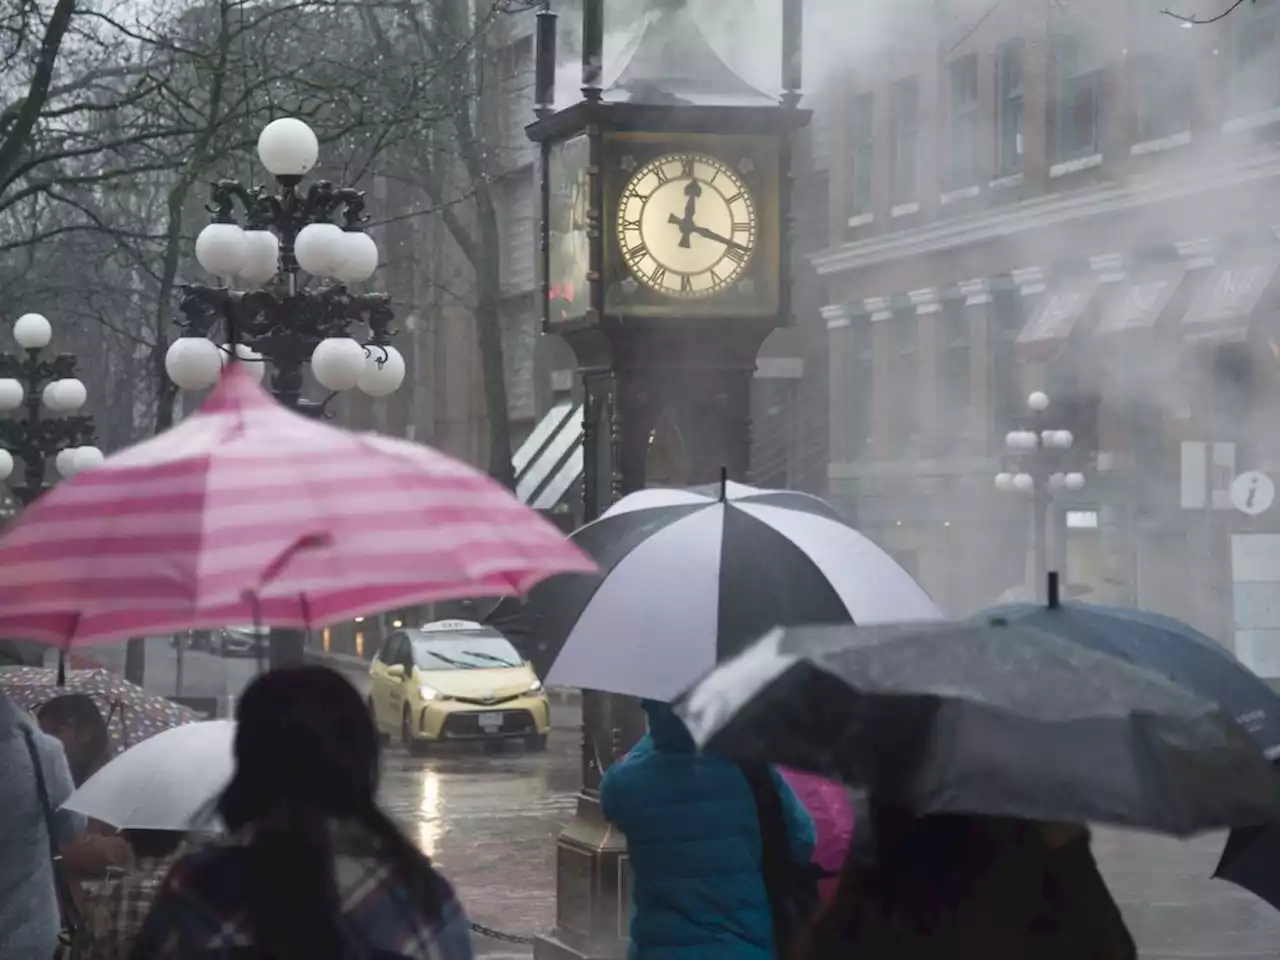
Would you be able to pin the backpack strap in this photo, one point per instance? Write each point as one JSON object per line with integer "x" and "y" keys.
{"x": 775, "y": 858}
{"x": 66, "y": 897}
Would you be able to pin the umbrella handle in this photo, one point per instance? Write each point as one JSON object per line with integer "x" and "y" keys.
{"x": 1053, "y": 599}
{"x": 62, "y": 667}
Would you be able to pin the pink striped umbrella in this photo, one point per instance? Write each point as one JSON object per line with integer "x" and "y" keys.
{"x": 247, "y": 512}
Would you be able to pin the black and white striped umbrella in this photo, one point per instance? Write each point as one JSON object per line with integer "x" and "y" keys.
{"x": 690, "y": 577}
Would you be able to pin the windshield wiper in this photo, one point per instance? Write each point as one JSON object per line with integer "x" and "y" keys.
{"x": 488, "y": 656}
{"x": 456, "y": 664}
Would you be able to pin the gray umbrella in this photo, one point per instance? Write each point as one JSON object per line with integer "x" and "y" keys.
{"x": 985, "y": 718}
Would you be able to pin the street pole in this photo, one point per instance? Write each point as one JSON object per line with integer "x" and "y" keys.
{"x": 1039, "y": 523}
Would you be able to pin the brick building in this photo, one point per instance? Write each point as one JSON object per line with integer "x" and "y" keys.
{"x": 1080, "y": 196}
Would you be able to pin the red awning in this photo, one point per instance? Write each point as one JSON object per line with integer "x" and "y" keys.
{"x": 1139, "y": 304}
{"x": 1055, "y": 317}
{"x": 1220, "y": 313}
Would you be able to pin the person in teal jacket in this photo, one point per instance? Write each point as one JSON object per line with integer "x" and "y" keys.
{"x": 693, "y": 839}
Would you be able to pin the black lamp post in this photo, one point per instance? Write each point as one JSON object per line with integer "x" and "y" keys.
{"x": 1038, "y": 465}
{"x": 283, "y": 322}
{"x": 37, "y": 384}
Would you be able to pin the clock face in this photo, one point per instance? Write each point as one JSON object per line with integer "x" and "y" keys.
{"x": 686, "y": 225}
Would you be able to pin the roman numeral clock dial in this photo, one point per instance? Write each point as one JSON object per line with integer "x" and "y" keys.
{"x": 686, "y": 225}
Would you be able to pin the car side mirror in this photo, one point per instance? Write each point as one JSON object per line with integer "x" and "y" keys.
{"x": 396, "y": 671}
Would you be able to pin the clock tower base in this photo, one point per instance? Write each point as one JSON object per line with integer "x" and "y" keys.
{"x": 666, "y": 405}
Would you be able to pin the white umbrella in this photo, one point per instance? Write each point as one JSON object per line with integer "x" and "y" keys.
{"x": 691, "y": 577}
{"x": 164, "y": 783}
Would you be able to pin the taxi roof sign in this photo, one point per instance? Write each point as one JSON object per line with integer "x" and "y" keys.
{"x": 446, "y": 626}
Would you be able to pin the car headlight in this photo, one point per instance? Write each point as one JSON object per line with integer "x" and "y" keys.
{"x": 429, "y": 693}
{"x": 534, "y": 687}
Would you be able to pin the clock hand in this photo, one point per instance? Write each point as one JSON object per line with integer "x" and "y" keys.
{"x": 712, "y": 235}
{"x": 692, "y": 191}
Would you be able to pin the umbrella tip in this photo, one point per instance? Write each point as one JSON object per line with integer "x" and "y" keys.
{"x": 1054, "y": 601}
{"x": 724, "y": 483}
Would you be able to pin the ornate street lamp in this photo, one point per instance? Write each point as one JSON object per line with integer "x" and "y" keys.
{"x": 1038, "y": 465}
{"x": 282, "y": 322}
{"x": 38, "y": 384}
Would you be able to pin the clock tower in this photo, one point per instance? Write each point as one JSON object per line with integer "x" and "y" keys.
{"x": 665, "y": 263}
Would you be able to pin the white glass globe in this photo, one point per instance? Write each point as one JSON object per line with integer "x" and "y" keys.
{"x": 318, "y": 248}
{"x": 220, "y": 249}
{"x": 86, "y": 458}
{"x": 1075, "y": 481}
{"x": 250, "y": 360}
{"x": 52, "y": 396}
{"x": 337, "y": 363}
{"x": 11, "y": 394}
{"x": 1023, "y": 481}
{"x": 357, "y": 257}
{"x": 193, "y": 363}
{"x": 1038, "y": 401}
{"x": 32, "y": 331}
{"x": 1064, "y": 439}
{"x": 261, "y": 256}
{"x": 71, "y": 395}
{"x": 65, "y": 462}
{"x": 383, "y": 372}
{"x": 1004, "y": 481}
{"x": 6, "y": 465}
{"x": 288, "y": 147}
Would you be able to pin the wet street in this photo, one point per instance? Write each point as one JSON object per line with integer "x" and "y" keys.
{"x": 491, "y": 820}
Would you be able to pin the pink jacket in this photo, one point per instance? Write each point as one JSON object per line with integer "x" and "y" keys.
{"x": 829, "y": 805}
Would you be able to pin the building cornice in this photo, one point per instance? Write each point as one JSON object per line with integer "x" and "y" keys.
{"x": 1041, "y": 212}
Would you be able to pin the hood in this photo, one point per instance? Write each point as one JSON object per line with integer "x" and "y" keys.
{"x": 481, "y": 683}
{"x": 666, "y": 729}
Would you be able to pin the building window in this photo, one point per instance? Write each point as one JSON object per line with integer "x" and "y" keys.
{"x": 1007, "y": 402}
{"x": 1077, "y": 80}
{"x": 905, "y": 415}
{"x": 1256, "y": 58}
{"x": 955, "y": 396}
{"x": 862, "y": 152}
{"x": 904, "y": 159}
{"x": 963, "y": 155}
{"x": 1162, "y": 97}
{"x": 861, "y": 377}
{"x": 1009, "y": 108}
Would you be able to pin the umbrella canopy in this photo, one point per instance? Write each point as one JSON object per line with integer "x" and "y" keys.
{"x": 132, "y": 713}
{"x": 691, "y": 578}
{"x": 1167, "y": 647}
{"x": 167, "y": 783}
{"x": 249, "y": 513}
{"x": 986, "y": 719}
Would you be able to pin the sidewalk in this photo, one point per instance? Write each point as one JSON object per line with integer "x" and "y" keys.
{"x": 358, "y": 666}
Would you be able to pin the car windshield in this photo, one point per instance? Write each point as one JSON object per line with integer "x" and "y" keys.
{"x": 257, "y": 631}
{"x": 463, "y": 650}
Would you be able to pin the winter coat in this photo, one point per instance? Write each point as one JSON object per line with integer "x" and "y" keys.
{"x": 830, "y": 806}
{"x": 693, "y": 840}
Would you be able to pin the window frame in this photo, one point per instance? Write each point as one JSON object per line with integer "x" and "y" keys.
{"x": 1069, "y": 82}
{"x": 1009, "y": 105}
{"x": 963, "y": 115}
{"x": 862, "y": 134}
{"x": 905, "y": 368}
{"x": 862, "y": 370}
{"x": 955, "y": 417}
{"x": 903, "y": 189}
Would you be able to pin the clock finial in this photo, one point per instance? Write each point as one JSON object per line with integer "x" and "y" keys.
{"x": 592, "y": 48}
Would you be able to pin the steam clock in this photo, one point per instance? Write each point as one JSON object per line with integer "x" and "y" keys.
{"x": 665, "y": 262}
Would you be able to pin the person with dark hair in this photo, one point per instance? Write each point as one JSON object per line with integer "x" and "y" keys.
{"x": 114, "y": 911}
{"x": 311, "y": 868}
{"x": 946, "y": 886}
{"x": 76, "y": 720}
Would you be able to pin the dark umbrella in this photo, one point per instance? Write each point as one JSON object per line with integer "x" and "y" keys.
{"x": 993, "y": 719}
{"x": 1167, "y": 647}
{"x": 690, "y": 577}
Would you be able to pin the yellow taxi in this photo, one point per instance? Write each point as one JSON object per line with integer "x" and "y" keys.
{"x": 455, "y": 680}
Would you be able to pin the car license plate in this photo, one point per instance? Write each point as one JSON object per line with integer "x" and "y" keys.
{"x": 490, "y": 722}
